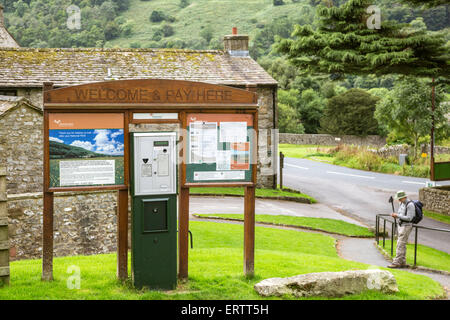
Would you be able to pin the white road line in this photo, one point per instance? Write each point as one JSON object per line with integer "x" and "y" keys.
{"x": 351, "y": 175}
{"x": 291, "y": 165}
{"x": 414, "y": 182}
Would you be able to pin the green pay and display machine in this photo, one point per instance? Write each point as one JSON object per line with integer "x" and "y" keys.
{"x": 154, "y": 210}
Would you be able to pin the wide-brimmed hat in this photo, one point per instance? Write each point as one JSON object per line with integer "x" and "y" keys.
{"x": 400, "y": 194}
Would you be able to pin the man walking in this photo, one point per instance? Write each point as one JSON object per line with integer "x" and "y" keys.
{"x": 406, "y": 213}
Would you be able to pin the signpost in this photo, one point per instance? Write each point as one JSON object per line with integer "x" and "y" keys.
{"x": 86, "y": 148}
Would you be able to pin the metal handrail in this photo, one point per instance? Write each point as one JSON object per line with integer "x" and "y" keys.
{"x": 394, "y": 227}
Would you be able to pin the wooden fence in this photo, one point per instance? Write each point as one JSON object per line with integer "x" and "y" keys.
{"x": 4, "y": 242}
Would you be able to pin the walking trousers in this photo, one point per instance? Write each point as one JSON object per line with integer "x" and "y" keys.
{"x": 403, "y": 235}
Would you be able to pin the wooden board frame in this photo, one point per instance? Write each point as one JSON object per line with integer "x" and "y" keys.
{"x": 433, "y": 171}
{"x": 130, "y": 96}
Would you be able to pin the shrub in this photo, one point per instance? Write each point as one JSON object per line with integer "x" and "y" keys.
{"x": 157, "y": 16}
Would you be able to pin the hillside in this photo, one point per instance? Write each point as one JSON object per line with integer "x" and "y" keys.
{"x": 192, "y": 24}
{"x": 64, "y": 151}
{"x": 204, "y": 19}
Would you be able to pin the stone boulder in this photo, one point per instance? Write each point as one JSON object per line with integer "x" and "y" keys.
{"x": 329, "y": 284}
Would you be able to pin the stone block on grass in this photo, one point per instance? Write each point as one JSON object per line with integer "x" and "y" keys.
{"x": 329, "y": 284}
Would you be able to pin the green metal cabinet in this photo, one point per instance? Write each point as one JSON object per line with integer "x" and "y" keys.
{"x": 154, "y": 210}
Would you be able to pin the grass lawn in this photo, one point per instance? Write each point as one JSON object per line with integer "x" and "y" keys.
{"x": 426, "y": 256}
{"x": 215, "y": 269}
{"x": 266, "y": 193}
{"x": 303, "y": 151}
{"x": 323, "y": 224}
{"x": 437, "y": 216}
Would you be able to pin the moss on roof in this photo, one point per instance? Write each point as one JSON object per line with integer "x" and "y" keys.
{"x": 25, "y": 66}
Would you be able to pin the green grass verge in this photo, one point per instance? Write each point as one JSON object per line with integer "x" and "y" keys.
{"x": 437, "y": 216}
{"x": 359, "y": 158}
{"x": 303, "y": 151}
{"x": 426, "y": 256}
{"x": 321, "y": 224}
{"x": 215, "y": 269}
{"x": 266, "y": 193}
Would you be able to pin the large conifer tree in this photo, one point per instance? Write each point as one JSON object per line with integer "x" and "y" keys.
{"x": 344, "y": 44}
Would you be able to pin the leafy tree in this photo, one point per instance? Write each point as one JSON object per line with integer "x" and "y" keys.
{"x": 157, "y": 16}
{"x": 350, "y": 113}
{"x": 183, "y": 3}
{"x": 311, "y": 110}
{"x": 167, "y": 30}
{"x": 288, "y": 121}
{"x": 406, "y": 111}
{"x": 207, "y": 33}
{"x": 427, "y": 3}
{"x": 308, "y": 106}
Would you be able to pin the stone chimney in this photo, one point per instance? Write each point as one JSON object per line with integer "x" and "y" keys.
{"x": 236, "y": 44}
{"x": 6, "y": 39}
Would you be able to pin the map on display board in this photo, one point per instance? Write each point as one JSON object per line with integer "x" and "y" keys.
{"x": 219, "y": 148}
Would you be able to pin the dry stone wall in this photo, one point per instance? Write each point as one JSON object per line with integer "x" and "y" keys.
{"x": 436, "y": 199}
{"x": 21, "y": 149}
{"x": 330, "y": 140}
{"x": 84, "y": 224}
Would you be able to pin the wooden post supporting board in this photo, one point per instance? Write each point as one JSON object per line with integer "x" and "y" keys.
{"x": 183, "y": 233}
{"x": 47, "y": 238}
{"x": 249, "y": 231}
{"x": 122, "y": 234}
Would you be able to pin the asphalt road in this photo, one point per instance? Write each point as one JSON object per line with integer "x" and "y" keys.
{"x": 360, "y": 194}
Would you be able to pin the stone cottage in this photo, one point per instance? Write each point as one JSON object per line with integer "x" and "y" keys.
{"x": 85, "y": 223}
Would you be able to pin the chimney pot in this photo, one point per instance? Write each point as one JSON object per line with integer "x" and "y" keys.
{"x": 234, "y": 30}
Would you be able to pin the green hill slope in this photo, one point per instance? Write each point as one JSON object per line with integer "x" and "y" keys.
{"x": 64, "y": 151}
{"x": 203, "y": 19}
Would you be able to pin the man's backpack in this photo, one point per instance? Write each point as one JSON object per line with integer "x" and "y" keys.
{"x": 419, "y": 213}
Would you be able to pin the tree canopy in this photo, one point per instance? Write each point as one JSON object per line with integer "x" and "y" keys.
{"x": 344, "y": 44}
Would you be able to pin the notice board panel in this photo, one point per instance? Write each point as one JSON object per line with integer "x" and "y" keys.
{"x": 86, "y": 149}
{"x": 220, "y": 148}
{"x": 441, "y": 171}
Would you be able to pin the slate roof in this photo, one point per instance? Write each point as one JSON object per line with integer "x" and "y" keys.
{"x": 8, "y": 103}
{"x": 28, "y": 67}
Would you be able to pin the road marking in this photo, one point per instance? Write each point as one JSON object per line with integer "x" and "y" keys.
{"x": 291, "y": 165}
{"x": 351, "y": 175}
{"x": 414, "y": 182}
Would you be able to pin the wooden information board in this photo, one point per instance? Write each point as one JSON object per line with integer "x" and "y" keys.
{"x": 86, "y": 148}
{"x": 220, "y": 148}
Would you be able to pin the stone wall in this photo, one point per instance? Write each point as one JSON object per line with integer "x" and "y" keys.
{"x": 4, "y": 243}
{"x": 330, "y": 140}
{"x": 436, "y": 199}
{"x": 21, "y": 148}
{"x": 396, "y": 150}
{"x": 84, "y": 224}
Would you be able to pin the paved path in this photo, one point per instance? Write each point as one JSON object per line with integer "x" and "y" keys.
{"x": 364, "y": 250}
{"x": 205, "y": 204}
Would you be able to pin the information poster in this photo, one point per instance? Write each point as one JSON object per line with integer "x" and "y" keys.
{"x": 86, "y": 149}
{"x": 219, "y": 147}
